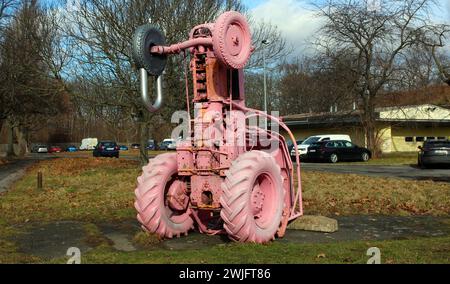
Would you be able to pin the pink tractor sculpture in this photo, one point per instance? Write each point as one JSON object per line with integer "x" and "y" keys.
{"x": 223, "y": 186}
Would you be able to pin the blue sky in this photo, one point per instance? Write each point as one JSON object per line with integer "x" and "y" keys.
{"x": 297, "y": 21}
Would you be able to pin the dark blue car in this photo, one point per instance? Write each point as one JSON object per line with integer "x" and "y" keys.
{"x": 123, "y": 148}
{"x": 151, "y": 145}
{"x": 106, "y": 149}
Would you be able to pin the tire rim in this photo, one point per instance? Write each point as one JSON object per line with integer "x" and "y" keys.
{"x": 172, "y": 214}
{"x": 334, "y": 158}
{"x": 263, "y": 200}
{"x": 365, "y": 157}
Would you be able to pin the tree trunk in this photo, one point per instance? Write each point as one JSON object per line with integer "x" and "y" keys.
{"x": 22, "y": 148}
{"x": 370, "y": 128}
{"x": 10, "y": 149}
{"x": 143, "y": 137}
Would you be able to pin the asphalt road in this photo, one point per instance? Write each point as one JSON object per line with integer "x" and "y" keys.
{"x": 407, "y": 172}
{"x": 15, "y": 170}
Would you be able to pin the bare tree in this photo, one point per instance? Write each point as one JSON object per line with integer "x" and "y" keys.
{"x": 30, "y": 94}
{"x": 434, "y": 38}
{"x": 316, "y": 83}
{"x": 100, "y": 35}
{"x": 376, "y": 39}
{"x": 6, "y": 7}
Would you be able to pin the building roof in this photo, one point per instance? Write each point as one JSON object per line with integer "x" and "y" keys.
{"x": 411, "y": 113}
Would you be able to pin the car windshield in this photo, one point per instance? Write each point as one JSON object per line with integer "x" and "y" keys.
{"x": 310, "y": 140}
{"x": 109, "y": 144}
{"x": 317, "y": 144}
{"x": 437, "y": 144}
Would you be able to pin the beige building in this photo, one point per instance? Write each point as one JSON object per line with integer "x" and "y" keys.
{"x": 399, "y": 129}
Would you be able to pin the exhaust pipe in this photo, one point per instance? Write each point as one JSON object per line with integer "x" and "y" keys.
{"x": 151, "y": 107}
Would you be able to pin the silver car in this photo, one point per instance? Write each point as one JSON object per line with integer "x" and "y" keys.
{"x": 40, "y": 149}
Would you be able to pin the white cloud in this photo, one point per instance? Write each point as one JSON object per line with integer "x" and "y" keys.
{"x": 293, "y": 18}
{"x": 297, "y": 21}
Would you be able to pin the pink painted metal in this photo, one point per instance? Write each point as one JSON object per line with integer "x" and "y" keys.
{"x": 223, "y": 178}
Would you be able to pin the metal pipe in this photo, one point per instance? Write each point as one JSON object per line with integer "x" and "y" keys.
{"x": 178, "y": 47}
{"x": 265, "y": 88}
{"x": 145, "y": 95}
{"x": 298, "y": 197}
{"x": 265, "y": 42}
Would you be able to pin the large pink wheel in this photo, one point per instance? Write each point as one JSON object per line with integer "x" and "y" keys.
{"x": 232, "y": 39}
{"x": 252, "y": 198}
{"x": 155, "y": 211}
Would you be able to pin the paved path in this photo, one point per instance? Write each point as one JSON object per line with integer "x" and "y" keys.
{"x": 14, "y": 170}
{"x": 407, "y": 172}
{"x": 53, "y": 239}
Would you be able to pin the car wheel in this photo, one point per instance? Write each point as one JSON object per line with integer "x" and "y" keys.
{"x": 365, "y": 157}
{"x": 334, "y": 158}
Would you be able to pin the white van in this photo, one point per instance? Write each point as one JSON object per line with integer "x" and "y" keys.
{"x": 303, "y": 148}
{"x": 88, "y": 143}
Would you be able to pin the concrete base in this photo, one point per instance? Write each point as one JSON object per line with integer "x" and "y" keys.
{"x": 315, "y": 223}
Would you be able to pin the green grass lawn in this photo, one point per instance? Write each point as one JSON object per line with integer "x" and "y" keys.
{"x": 102, "y": 190}
{"x": 425, "y": 250}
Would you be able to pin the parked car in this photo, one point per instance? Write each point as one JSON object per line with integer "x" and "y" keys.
{"x": 291, "y": 145}
{"x": 337, "y": 150}
{"x": 40, "y": 149}
{"x": 172, "y": 146}
{"x": 303, "y": 147}
{"x": 88, "y": 143}
{"x": 433, "y": 153}
{"x": 151, "y": 145}
{"x": 135, "y": 146}
{"x": 123, "y": 148}
{"x": 164, "y": 145}
{"x": 71, "y": 148}
{"x": 106, "y": 149}
{"x": 55, "y": 149}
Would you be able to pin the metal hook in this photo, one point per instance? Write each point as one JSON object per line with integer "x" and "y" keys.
{"x": 144, "y": 92}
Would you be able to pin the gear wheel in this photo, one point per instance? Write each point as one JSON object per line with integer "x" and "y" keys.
{"x": 232, "y": 39}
